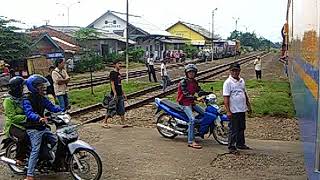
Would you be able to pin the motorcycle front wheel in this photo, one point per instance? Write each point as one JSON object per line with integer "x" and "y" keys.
{"x": 85, "y": 164}
{"x": 221, "y": 133}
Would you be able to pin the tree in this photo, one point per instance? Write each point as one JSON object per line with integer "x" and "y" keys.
{"x": 13, "y": 44}
{"x": 234, "y": 35}
{"x": 190, "y": 50}
{"x": 90, "y": 60}
{"x": 251, "y": 40}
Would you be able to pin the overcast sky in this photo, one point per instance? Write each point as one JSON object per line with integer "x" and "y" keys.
{"x": 265, "y": 17}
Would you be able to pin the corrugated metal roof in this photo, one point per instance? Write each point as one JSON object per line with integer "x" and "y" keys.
{"x": 199, "y": 29}
{"x": 138, "y": 22}
{"x": 70, "y": 30}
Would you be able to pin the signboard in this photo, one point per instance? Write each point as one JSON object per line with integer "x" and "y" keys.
{"x": 55, "y": 55}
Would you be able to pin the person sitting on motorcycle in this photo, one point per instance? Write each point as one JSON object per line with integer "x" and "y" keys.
{"x": 34, "y": 106}
{"x": 15, "y": 118}
{"x": 187, "y": 88}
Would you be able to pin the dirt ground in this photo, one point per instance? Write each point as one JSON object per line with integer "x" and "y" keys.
{"x": 141, "y": 153}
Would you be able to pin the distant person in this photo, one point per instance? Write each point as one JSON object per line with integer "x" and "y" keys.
{"x": 257, "y": 67}
{"x": 116, "y": 105}
{"x": 50, "y": 89}
{"x": 164, "y": 74}
{"x": 61, "y": 79}
{"x": 237, "y": 103}
{"x": 152, "y": 71}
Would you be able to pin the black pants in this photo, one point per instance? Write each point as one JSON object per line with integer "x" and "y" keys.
{"x": 236, "y": 133}
{"x": 258, "y": 74}
{"x": 153, "y": 72}
{"x": 22, "y": 144}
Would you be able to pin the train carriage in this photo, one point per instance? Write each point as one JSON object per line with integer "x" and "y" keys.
{"x": 301, "y": 54}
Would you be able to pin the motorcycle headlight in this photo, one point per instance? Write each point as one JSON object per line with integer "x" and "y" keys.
{"x": 211, "y": 99}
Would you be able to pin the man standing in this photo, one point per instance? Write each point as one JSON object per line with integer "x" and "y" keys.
{"x": 118, "y": 95}
{"x": 257, "y": 67}
{"x": 61, "y": 79}
{"x": 236, "y": 102}
{"x": 50, "y": 89}
{"x": 164, "y": 74}
{"x": 151, "y": 68}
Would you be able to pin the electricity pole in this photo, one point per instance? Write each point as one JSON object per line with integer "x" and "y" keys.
{"x": 212, "y": 47}
{"x": 127, "y": 43}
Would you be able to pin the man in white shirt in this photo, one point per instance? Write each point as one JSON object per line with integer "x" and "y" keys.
{"x": 236, "y": 102}
{"x": 164, "y": 74}
{"x": 61, "y": 79}
{"x": 257, "y": 67}
{"x": 152, "y": 71}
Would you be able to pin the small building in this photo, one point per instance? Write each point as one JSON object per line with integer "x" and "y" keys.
{"x": 196, "y": 35}
{"x": 44, "y": 50}
{"x": 66, "y": 42}
{"x": 147, "y": 35}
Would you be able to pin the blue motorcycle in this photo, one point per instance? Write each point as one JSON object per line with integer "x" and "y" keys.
{"x": 172, "y": 121}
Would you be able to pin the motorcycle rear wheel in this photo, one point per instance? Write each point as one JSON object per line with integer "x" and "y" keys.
{"x": 165, "y": 119}
{"x": 85, "y": 172}
{"x": 221, "y": 134}
{"x": 11, "y": 153}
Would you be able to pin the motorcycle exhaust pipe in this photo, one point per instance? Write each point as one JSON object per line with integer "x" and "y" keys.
{"x": 169, "y": 129}
{"x": 8, "y": 160}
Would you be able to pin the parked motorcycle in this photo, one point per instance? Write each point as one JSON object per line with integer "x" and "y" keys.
{"x": 173, "y": 121}
{"x": 69, "y": 155}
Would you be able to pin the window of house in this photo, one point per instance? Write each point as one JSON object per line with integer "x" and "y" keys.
{"x": 114, "y": 22}
{"x": 106, "y": 22}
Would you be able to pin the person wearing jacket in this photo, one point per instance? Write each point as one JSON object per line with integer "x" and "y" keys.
{"x": 34, "y": 106}
{"x": 187, "y": 88}
{"x": 15, "y": 118}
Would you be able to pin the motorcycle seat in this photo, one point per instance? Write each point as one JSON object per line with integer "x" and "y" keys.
{"x": 171, "y": 105}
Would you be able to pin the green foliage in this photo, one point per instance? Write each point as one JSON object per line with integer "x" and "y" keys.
{"x": 248, "y": 39}
{"x": 113, "y": 56}
{"x": 84, "y": 34}
{"x": 13, "y": 45}
{"x": 89, "y": 61}
{"x": 135, "y": 54}
{"x": 190, "y": 50}
{"x": 82, "y": 98}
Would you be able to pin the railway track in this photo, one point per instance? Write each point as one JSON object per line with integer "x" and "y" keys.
{"x": 133, "y": 74}
{"x": 96, "y": 112}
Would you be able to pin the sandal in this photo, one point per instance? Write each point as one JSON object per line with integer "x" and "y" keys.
{"x": 195, "y": 146}
{"x": 127, "y": 126}
{"x": 106, "y": 126}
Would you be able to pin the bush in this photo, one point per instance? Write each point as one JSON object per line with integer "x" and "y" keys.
{"x": 114, "y": 56}
{"x": 190, "y": 50}
{"x": 89, "y": 60}
{"x": 135, "y": 54}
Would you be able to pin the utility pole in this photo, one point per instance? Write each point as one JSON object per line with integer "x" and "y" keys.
{"x": 212, "y": 46}
{"x": 68, "y": 9}
{"x": 236, "y": 19}
{"x": 127, "y": 43}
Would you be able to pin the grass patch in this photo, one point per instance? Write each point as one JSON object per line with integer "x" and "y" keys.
{"x": 82, "y": 98}
{"x": 268, "y": 98}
